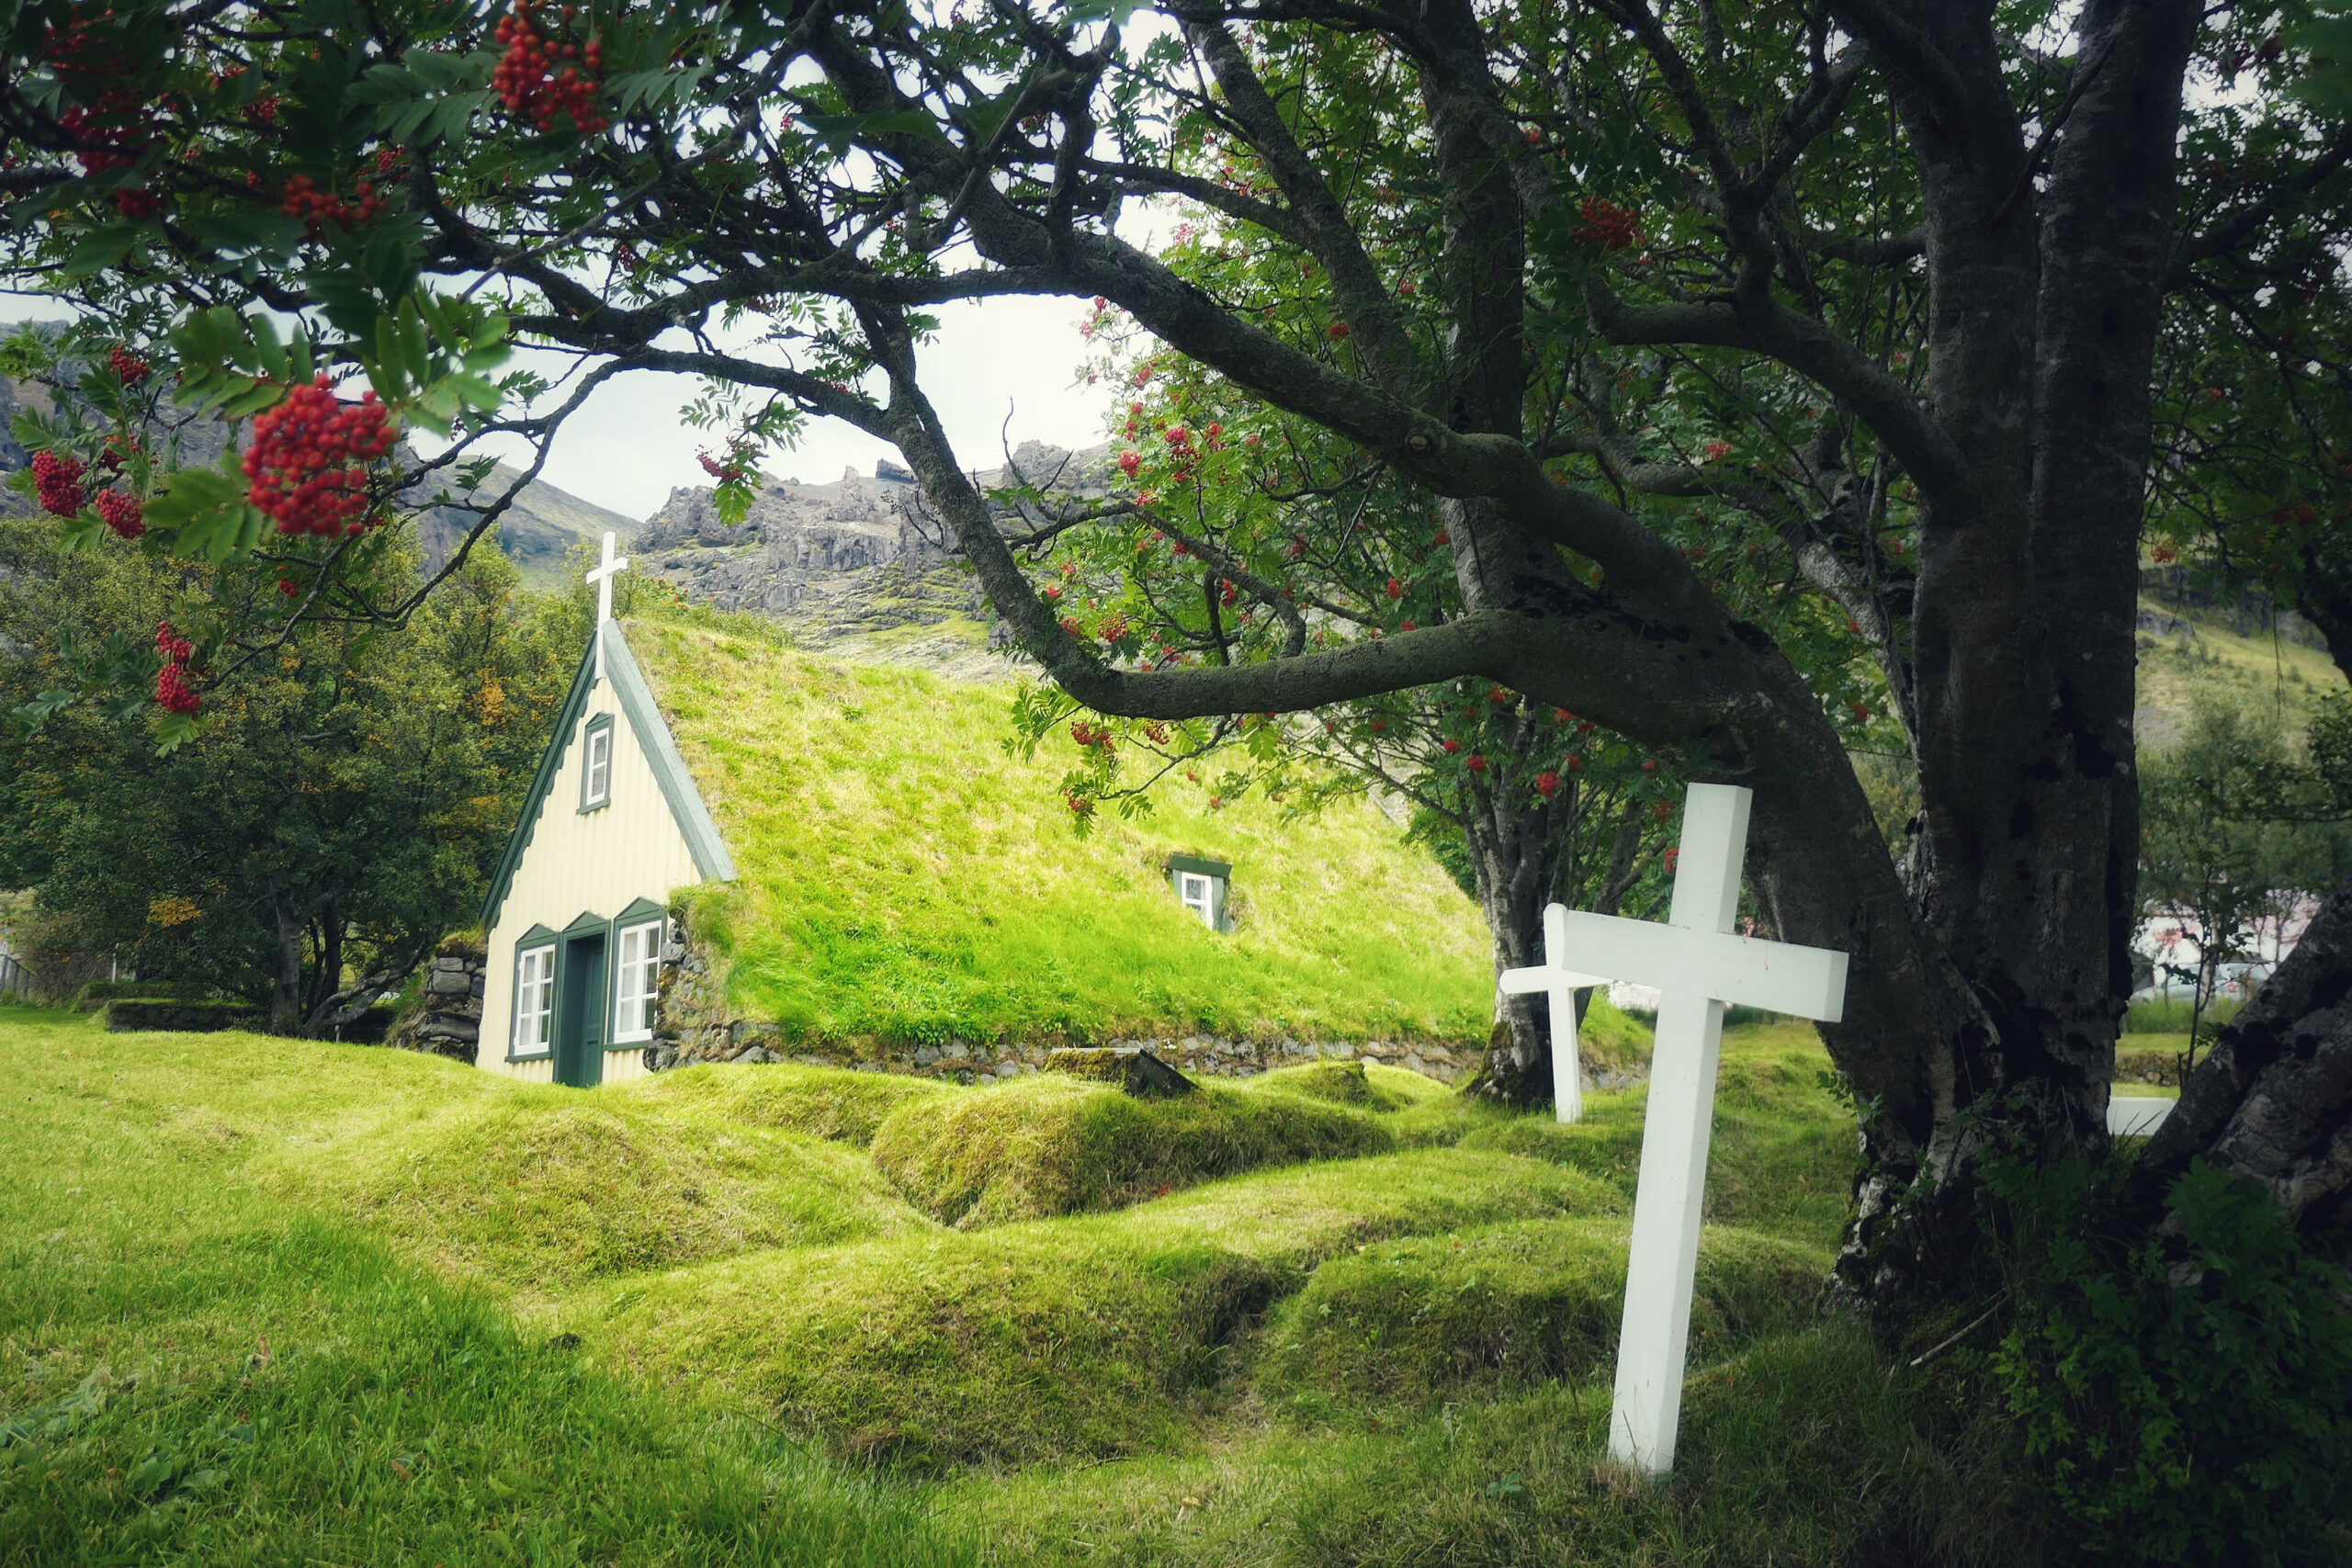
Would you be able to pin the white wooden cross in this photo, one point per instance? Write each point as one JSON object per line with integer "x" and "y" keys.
{"x": 1561, "y": 984}
{"x": 602, "y": 578}
{"x": 1698, "y": 967}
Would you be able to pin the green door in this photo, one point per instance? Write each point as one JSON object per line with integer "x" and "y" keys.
{"x": 580, "y": 1012}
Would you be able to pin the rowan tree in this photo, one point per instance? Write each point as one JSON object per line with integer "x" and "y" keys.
{"x": 1892, "y": 291}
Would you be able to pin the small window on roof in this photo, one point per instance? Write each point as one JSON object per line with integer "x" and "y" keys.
{"x": 596, "y": 763}
{"x": 1201, "y": 886}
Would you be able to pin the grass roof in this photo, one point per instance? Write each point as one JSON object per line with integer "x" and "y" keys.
{"x": 904, "y": 875}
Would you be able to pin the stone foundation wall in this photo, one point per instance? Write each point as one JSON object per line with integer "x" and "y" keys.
{"x": 692, "y": 1024}
{"x": 447, "y": 1020}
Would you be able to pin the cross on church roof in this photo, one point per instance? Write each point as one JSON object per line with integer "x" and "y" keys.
{"x": 601, "y": 578}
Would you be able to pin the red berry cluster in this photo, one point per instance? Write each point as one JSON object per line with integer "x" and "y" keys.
{"x": 171, "y": 682}
{"x": 60, "y": 481}
{"x": 121, "y": 512}
{"x": 112, "y": 123}
{"x": 540, "y": 79}
{"x": 316, "y": 208}
{"x": 106, "y": 123}
{"x": 128, "y": 368}
{"x": 306, "y": 463}
{"x": 1606, "y": 226}
{"x": 1090, "y": 735}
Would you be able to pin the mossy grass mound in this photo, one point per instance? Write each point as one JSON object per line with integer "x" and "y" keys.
{"x": 1805, "y": 1449}
{"x": 553, "y": 1188}
{"x": 1335, "y": 1083}
{"x": 1052, "y": 1145}
{"x": 206, "y": 1365}
{"x": 1423, "y": 1320}
{"x": 823, "y": 1102}
{"x": 1033, "y": 1342}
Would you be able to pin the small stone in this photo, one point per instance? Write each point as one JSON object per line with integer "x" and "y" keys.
{"x": 958, "y": 1050}
{"x": 926, "y": 1054}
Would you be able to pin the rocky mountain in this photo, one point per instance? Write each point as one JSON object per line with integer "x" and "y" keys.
{"x": 856, "y": 565}
{"x": 535, "y": 533}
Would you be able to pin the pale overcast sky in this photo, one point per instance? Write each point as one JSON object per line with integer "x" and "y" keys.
{"x": 627, "y": 448}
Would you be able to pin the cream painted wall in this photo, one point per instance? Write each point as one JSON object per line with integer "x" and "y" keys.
{"x": 580, "y": 863}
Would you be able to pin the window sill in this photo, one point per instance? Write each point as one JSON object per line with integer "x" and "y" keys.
{"x": 638, "y": 1043}
{"x": 533, "y": 1056}
{"x": 596, "y": 806}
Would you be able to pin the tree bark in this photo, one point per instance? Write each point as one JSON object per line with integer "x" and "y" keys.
{"x": 2273, "y": 1099}
{"x": 285, "y": 993}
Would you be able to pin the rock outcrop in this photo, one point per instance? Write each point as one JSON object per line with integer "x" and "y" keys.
{"x": 857, "y": 565}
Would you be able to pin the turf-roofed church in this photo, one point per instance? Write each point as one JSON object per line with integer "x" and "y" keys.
{"x": 738, "y": 851}
{"x": 578, "y": 911}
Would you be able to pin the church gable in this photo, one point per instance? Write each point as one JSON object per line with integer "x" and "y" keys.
{"x": 577, "y": 913}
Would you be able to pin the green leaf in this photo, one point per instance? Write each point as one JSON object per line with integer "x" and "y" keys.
{"x": 207, "y": 515}
{"x": 101, "y": 248}
{"x": 78, "y": 534}
{"x": 175, "y": 731}
{"x": 267, "y": 349}
{"x": 32, "y": 715}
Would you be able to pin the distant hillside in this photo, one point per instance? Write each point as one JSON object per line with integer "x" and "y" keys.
{"x": 2273, "y": 659}
{"x": 534, "y": 533}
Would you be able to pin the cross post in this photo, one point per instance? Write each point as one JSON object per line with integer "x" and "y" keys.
{"x": 1561, "y": 985}
{"x": 601, "y": 577}
{"x": 1698, "y": 968}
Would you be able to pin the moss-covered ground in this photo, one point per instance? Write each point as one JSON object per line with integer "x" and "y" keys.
{"x": 904, "y": 876}
{"x": 274, "y": 1301}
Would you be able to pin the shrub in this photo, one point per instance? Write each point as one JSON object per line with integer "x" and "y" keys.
{"x": 2170, "y": 1016}
{"x": 1050, "y": 1144}
{"x": 2185, "y": 1398}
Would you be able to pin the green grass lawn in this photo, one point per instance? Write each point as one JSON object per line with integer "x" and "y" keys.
{"x": 273, "y": 1301}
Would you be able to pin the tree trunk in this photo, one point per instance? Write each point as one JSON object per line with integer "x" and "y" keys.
{"x": 1524, "y": 859}
{"x": 285, "y": 993}
{"x": 2273, "y": 1098}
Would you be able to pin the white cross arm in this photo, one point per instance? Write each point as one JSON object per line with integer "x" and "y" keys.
{"x": 1804, "y": 982}
{"x": 1521, "y": 982}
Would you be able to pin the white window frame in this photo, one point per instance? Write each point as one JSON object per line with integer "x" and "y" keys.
{"x": 533, "y": 1001}
{"x": 596, "y": 767}
{"x": 1205, "y": 904}
{"x": 635, "y": 980}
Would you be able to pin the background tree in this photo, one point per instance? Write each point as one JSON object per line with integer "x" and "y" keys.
{"x": 339, "y": 812}
{"x": 2231, "y": 845}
